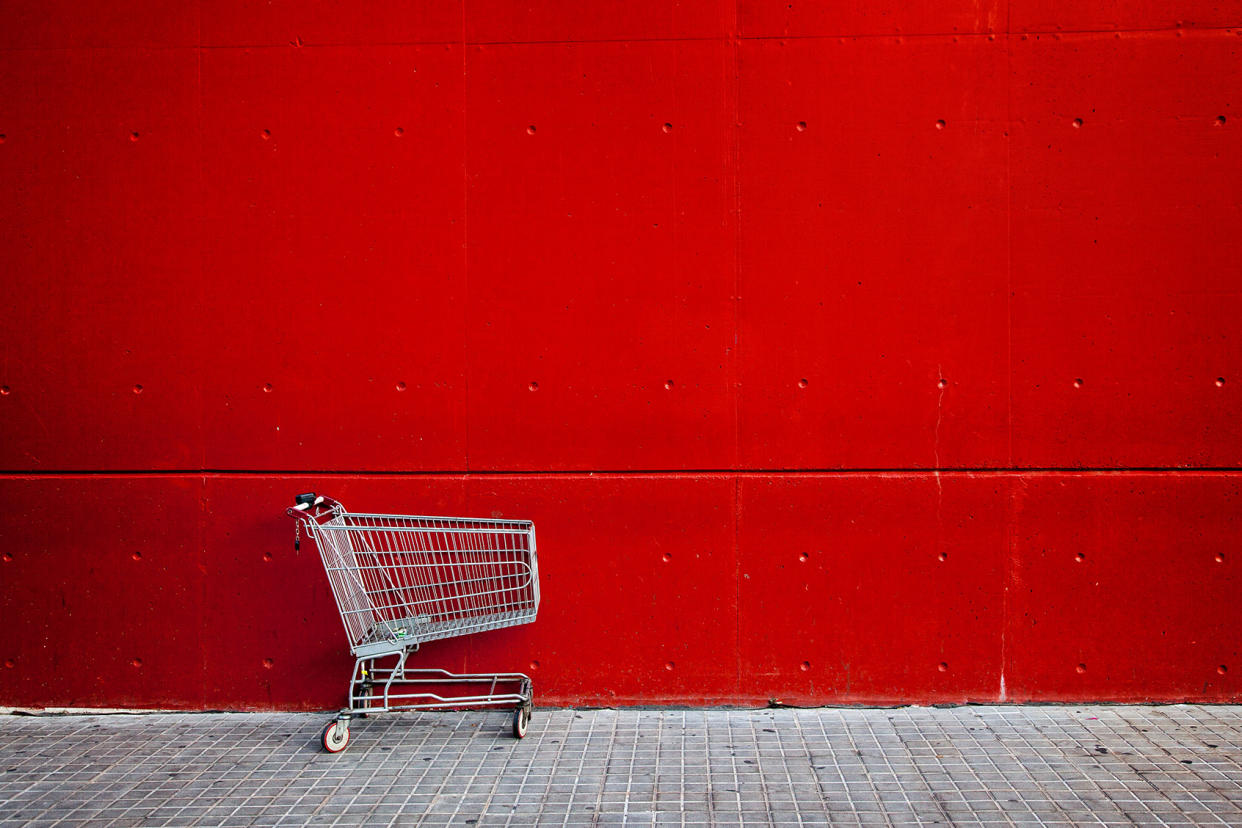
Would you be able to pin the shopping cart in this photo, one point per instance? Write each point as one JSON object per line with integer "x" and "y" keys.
{"x": 401, "y": 580}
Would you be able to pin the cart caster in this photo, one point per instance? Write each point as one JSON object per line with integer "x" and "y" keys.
{"x": 335, "y": 736}
{"x": 521, "y": 718}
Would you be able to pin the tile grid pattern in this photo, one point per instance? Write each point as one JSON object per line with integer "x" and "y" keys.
{"x": 1168, "y": 765}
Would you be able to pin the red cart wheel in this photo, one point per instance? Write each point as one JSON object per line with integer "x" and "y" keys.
{"x": 335, "y": 736}
{"x": 521, "y": 719}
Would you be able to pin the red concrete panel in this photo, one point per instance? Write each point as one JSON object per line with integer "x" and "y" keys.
{"x": 333, "y": 253}
{"x": 818, "y": 18}
{"x": 1125, "y": 250}
{"x": 1110, "y": 15}
{"x": 101, "y": 259}
{"x": 1123, "y": 588}
{"x": 65, "y": 24}
{"x": 329, "y": 22}
{"x": 871, "y": 589}
{"x": 101, "y": 592}
{"x": 873, "y": 328}
{"x": 601, "y": 257}
{"x": 638, "y": 582}
{"x": 503, "y": 21}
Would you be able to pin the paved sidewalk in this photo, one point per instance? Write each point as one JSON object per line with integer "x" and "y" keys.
{"x": 968, "y": 765}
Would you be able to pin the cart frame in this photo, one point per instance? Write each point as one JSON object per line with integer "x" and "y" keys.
{"x": 401, "y": 580}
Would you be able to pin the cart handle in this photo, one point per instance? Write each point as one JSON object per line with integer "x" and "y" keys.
{"x": 304, "y": 503}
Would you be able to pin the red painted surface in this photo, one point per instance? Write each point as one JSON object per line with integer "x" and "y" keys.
{"x": 858, "y": 588}
{"x": 873, "y": 246}
{"x": 601, "y": 257}
{"x": 702, "y": 289}
{"x": 1125, "y": 255}
{"x": 1125, "y": 587}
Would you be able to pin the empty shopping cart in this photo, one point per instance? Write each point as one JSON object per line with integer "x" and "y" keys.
{"x": 401, "y": 580}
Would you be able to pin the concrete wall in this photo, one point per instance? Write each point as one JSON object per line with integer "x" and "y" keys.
{"x": 842, "y": 353}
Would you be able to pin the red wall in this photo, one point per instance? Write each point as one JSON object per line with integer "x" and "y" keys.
{"x": 842, "y": 353}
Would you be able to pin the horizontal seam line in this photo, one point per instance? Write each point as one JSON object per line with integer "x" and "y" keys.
{"x": 995, "y": 471}
{"x": 721, "y": 38}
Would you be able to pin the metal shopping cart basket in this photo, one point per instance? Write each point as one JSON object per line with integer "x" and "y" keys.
{"x": 401, "y": 580}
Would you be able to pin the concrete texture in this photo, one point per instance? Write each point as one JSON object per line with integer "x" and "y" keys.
{"x": 967, "y": 765}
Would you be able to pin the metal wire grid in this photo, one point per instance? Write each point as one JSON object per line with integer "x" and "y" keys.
{"x": 406, "y": 579}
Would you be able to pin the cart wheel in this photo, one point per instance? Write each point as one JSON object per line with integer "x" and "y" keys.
{"x": 521, "y": 718}
{"x": 335, "y": 736}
